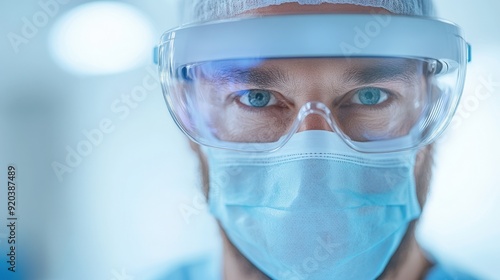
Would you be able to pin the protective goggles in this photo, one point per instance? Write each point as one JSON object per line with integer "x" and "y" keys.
{"x": 383, "y": 83}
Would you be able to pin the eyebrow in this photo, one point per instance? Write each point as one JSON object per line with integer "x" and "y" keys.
{"x": 260, "y": 77}
{"x": 386, "y": 72}
{"x": 275, "y": 77}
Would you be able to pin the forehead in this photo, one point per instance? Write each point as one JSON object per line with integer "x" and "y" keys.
{"x": 270, "y": 72}
{"x": 324, "y": 8}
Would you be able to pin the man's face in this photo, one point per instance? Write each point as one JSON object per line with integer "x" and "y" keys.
{"x": 284, "y": 86}
{"x": 303, "y": 80}
{"x": 260, "y": 101}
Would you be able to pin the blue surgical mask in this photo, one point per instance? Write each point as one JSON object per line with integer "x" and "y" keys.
{"x": 315, "y": 209}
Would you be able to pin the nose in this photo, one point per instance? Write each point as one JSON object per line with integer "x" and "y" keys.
{"x": 315, "y": 122}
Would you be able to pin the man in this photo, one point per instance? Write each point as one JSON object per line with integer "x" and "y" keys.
{"x": 313, "y": 122}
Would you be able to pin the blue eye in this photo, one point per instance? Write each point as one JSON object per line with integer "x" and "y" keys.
{"x": 370, "y": 96}
{"x": 257, "y": 98}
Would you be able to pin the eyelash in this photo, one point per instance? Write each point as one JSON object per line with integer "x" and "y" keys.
{"x": 235, "y": 97}
{"x": 391, "y": 97}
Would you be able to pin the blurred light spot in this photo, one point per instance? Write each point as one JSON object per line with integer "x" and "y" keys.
{"x": 102, "y": 38}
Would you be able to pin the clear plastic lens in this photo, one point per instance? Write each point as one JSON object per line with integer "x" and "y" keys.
{"x": 260, "y": 103}
{"x": 376, "y": 104}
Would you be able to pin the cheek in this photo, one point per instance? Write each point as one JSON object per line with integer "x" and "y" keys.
{"x": 392, "y": 121}
{"x": 231, "y": 125}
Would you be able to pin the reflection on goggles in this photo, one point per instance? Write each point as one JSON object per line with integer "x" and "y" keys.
{"x": 249, "y": 84}
{"x": 260, "y": 101}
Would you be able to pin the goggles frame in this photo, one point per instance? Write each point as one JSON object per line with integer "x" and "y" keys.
{"x": 418, "y": 37}
{"x": 347, "y": 36}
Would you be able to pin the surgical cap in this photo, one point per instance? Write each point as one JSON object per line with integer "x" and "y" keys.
{"x": 207, "y": 10}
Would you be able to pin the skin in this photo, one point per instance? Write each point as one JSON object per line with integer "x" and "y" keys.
{"x": 294, "y": 82}
{"x": 408, "y": 262}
